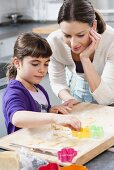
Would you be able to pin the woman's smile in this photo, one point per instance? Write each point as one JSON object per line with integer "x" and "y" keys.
{"x": 75, "y": 49}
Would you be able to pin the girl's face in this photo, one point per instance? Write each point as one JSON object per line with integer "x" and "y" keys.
{"x": 32, "y": 69}
{"x": 76, "y": 35}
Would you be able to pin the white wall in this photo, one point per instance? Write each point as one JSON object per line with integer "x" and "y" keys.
{"x": 22, "y": 6}
{"x": 107, "y": 6}
{"x": 41, "y": 9}
{"x": 5, "y": 8}
{"x": 100, "y": 4}
{"x": 30, "y": 9}
{"x": 25, "y": 8}
{"x": 52, "y": 10}
{"x": 45, "y": 9}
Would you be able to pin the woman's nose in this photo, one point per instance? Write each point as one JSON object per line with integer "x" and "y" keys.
{"x": 74, "y": 41}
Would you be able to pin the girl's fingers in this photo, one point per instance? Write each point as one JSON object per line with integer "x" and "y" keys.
{"x": 75, "y": 126}
{"x": 69, "y": 121}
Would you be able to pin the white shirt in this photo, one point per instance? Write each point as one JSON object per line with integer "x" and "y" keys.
{"x": 103, "y": 63}
{"x": 41, "y": 100}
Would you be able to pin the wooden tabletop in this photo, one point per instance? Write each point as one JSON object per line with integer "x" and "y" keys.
{"x": 89, "y": 114}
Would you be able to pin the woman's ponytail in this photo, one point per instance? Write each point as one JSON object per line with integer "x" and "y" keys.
{"x": 101, "y": 25}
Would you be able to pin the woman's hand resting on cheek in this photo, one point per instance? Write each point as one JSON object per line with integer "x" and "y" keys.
{"x": 95, "y": 38}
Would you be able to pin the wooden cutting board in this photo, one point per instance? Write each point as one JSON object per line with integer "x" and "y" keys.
{"x": 87, "y": 148}
{"x": 45, "y": 29}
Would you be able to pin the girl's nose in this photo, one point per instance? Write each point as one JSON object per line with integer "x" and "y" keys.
{"x": 41, "y": 69}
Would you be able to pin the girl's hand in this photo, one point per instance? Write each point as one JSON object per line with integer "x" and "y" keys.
{"x": 60, "y": 109}
{"x": 70, "y": 121}
{"x": 95, "y": 38}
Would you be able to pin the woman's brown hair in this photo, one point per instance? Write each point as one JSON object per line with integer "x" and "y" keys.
{"x": 81, "y": 11}
{"x": 28, "y": 44}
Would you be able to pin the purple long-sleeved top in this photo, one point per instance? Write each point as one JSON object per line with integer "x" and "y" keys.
{"x": 16, "y": 98}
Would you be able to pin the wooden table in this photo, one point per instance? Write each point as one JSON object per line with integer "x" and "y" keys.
{"x": 88, "y": 148}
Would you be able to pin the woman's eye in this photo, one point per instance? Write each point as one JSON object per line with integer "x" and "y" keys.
{"x": 67, "y": 36}
{"x": 80, "y": 35}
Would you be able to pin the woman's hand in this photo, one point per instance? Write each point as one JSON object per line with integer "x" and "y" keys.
{"x": 63, "y": 109}
{"x": 95, "y": 38}
{"x": 70, "y": 103}
{"x": 70, "y": 121}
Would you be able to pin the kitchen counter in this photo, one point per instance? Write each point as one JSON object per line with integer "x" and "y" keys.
{"x": 10, "y": 30}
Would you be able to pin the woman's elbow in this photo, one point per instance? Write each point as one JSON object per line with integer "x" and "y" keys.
{"x": 106, "y": 102}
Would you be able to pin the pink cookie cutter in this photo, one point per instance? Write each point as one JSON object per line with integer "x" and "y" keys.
{"x": 66, "y": 154}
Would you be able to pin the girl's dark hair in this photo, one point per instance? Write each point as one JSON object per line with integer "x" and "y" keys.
{"x": 81, "y": 11}
{"x": 28, "y": 44}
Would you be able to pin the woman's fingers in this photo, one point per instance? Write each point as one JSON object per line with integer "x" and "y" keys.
{"x": 59, "y": 109}
{"x": 63, "y": 110}
{"x": 70, "y": 103}
{"x": 95, "y": 36}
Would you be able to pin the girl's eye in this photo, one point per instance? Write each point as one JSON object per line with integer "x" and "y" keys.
{"x": 34, "y": 65}
{"x": 46, "y": 65}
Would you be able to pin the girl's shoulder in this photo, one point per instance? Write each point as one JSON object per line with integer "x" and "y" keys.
{"x": 15, "y": 84}
{"x": 15, "y": 87}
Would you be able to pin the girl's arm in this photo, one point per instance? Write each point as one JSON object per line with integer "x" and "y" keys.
{"x": 28, "y": 119}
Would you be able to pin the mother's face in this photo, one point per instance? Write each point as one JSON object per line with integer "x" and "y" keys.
{"x": 76, "y": 35}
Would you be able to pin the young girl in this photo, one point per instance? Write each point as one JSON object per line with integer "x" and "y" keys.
{"x": 25, "y": 101}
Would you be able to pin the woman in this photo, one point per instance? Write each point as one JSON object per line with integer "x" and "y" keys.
{"x": 82, "y": 64}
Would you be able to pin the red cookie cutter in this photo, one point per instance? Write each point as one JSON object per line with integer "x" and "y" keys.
{"x": 50, "y": 166}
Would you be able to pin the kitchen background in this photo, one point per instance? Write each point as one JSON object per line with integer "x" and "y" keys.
{"x": 23, "y": 15}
